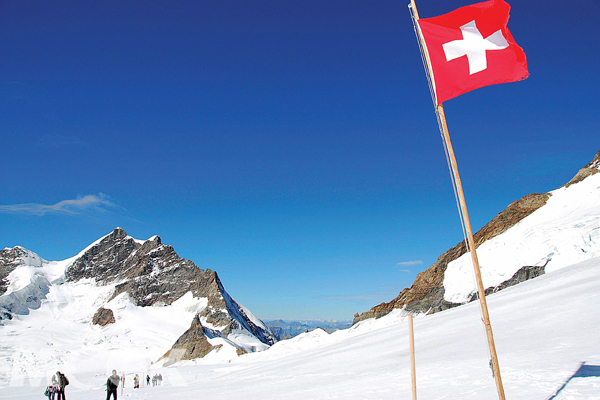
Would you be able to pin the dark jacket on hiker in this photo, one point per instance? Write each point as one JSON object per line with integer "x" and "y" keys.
{"x": 112, "y": 383}
{"x": 62, "y": 382}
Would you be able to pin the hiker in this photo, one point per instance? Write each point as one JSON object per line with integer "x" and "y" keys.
{"x": 147, "y": 380}
{"x": 136, "y": 381}
{"x": 52, "y": 388}
{"x": 62, "y": 383}
{"x": 112, "y": 384}
{"x": 159, "y": 379}
{"x": 154, "y": 379}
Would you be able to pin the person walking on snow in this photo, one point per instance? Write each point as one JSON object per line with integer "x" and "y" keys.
{"x": 136, "y": 381}
{"x": 112, "y": 384}
{"x": 62, "y": 383}
{"x": 52, "y": 388}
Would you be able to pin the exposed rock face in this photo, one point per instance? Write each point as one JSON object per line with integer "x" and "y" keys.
{"x": 192, "y": 344}
{"x": 152, "y": 273}
{"x": 522, "y": 275}
{"x": 427, "y": 292}
{"x": 104, "y": 261}
{"x": 103, "y": 317}
{"x": 11, "y": 259}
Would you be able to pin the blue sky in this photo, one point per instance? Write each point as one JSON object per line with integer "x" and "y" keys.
{"x": 290, "y": 146}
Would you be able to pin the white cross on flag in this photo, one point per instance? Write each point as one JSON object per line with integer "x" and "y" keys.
{"x": 471, "y": 47}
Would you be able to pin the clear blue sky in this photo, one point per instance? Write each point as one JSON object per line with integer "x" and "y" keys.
{"x": 291, "y": 146}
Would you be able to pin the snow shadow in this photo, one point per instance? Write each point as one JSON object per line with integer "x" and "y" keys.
{"x": 584, "y": 371}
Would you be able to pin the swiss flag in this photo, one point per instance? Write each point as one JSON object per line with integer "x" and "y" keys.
{"x": 471, "y": 47}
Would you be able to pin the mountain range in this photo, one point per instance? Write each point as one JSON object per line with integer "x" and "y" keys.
{"x": 119, "y": 273}
{"x": 289, "y": 329}
{"x": 136, "y": 303}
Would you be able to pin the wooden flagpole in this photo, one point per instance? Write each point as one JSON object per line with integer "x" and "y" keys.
{"x": 467, "y": 222}
{"x": 413, "y": 370}
{"x": 474, "y": 259}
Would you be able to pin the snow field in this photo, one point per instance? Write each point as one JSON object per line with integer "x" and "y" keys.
{"x": 563, "y": 232}
{"x": 544, "y": 329}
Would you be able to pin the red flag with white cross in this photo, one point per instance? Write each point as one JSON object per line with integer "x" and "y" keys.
{"x": 472, "y": 47}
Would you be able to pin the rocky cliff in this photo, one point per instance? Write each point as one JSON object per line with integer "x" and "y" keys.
{"x": 151, "y": 273}
{"x": 426, "y": 295}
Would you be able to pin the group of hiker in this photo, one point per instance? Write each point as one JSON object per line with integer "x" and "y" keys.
{"x": 156, "y": 379}
{"x": 59, "y": 382}
{"x": 112, "y": 383}
{"x": 57, "y": 387}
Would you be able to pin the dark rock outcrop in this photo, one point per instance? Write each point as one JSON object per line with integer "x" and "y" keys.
{"x": 192, "y": 344}
{"x": 522, "y": 275}
{"x": 149, "y": 273}
{"x": 9, "y": 260}
{"x": 103, "y": 317}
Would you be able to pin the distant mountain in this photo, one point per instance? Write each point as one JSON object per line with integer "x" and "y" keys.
{"x": 538, "y": 233}
{"x": 120, "y": 273}
{"x": 289, "y": 329}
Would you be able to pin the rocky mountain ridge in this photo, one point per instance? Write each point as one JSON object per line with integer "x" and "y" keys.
{"x": 426, "y": 295}
{"x": 150, "y": 274}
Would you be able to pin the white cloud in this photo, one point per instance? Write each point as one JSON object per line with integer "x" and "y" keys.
{"x": 408, "y": 263}
{"x": 92, "y": 202}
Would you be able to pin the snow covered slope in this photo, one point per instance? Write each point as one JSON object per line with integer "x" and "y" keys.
{"x": 539, "y": 233}
{"x": 27, "y": 279}
{"x": 564, "y": 231}
{"x": 546, "y": 332}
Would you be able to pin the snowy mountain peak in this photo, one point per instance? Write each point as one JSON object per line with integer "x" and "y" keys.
{"x": 18, "y": 255}
{"x": 116, "y": 279}
{"x": 24, "y": 281}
